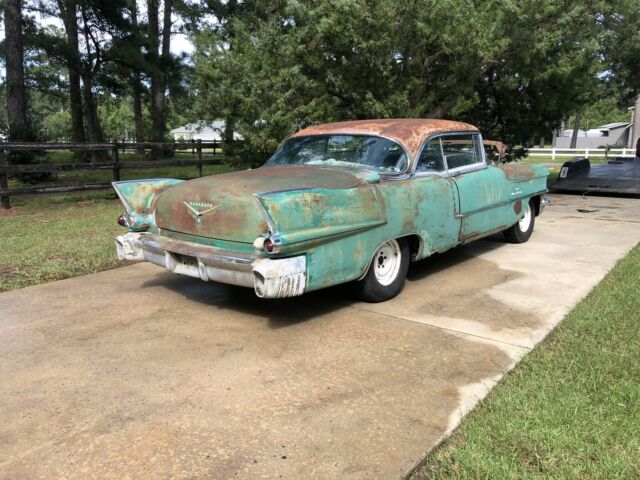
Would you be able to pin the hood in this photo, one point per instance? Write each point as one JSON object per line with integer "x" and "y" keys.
{"x": 224, "y": 207}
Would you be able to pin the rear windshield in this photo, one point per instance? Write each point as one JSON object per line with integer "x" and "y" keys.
{"x": 350, "y": 151}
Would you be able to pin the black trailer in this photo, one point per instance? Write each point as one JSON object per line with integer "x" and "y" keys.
{"x": 619, "y": 176}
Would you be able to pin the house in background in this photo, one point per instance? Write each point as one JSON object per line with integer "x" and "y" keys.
{"x": 614, "y": 134}
{"x": 207, "y": 132}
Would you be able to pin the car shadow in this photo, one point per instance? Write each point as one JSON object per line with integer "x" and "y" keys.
{"x": 280, "y": 313}
{"x": 441, "y": 261}
{"x": 286, "y": 312}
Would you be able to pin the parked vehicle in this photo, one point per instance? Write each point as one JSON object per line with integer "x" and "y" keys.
{"x": 341, "y": 202}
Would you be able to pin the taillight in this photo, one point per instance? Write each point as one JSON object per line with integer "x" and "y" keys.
{"x": 269, "y": 244}
{"x": 272, "y": 244}
{"x": 121, "y": 221}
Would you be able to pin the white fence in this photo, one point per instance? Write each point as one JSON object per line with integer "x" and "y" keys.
{"x": 558, "y": 153}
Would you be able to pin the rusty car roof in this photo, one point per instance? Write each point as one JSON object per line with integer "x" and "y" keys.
{"x": 409, "y": 132}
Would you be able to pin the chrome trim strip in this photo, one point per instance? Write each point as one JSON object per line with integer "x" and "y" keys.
{"x": 271, "y": 226}
{"x": 497, "y": 205}
{"x": 441, "y": 134}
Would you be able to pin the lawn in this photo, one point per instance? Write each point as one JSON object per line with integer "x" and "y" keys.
{"x": 559, "y": 160}
{"x": 571, "y": 408}
{"x": 49, "y": 238}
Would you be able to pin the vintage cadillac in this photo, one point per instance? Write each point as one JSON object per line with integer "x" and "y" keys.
{"x": 341, "y": 202}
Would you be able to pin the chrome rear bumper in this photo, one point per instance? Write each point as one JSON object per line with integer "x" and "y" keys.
{"x": 270, "y": 278}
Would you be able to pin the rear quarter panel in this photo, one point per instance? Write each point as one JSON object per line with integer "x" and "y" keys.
{"x": 406, "y": 208}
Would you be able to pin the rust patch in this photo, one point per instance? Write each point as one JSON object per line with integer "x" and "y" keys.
{"x": 518, "y": 171}
{"x": 409, "y": 132}
{"x": 500, "y": 147}
{"x": 517, "y": 207}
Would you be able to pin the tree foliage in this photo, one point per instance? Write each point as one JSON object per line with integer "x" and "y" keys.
{"x": 514, "y": 68}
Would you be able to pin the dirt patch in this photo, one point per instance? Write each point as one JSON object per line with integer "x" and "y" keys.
{"x": 12, "y": 212}
{"x": 8, "y": 271}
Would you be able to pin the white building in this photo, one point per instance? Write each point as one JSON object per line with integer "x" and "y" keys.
{"x": 614, "y": 134}
{"x": 210, "y": 132}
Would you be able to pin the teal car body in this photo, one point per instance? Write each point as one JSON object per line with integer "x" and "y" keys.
{"x": 310, "y": 219}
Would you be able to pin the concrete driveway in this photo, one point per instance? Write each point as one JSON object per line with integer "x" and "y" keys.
{"x": 137, "y": 373}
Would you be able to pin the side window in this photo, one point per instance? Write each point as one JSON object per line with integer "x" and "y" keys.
{"x": 431, "y": 158}
{"x": 461, "y": 150}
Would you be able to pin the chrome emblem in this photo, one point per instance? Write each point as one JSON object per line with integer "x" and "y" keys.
{"x": 198, "y": 209}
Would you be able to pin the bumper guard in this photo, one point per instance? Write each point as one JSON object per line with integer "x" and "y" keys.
{"x": 270, "y": 277}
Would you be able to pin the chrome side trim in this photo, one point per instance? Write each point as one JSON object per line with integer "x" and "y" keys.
{"x": 497, "y": 205}
{"x": 441, "y": 134}
{"x": 267, "y": 218}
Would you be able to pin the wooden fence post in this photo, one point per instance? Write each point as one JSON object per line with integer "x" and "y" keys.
{"x": 114, "y": 160}
{"x": 4, "y": 182}
{"x": 199, "y": 150}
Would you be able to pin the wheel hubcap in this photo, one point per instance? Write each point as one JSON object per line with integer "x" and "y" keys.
{"x": 386, "y": 262}
{"x": 525, "y": 221}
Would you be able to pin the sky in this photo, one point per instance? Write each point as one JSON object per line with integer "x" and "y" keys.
{"x": 180, "y": 43}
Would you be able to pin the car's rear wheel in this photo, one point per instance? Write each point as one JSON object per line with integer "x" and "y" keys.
{"x": 522, "y": 230}
{"x": 387, "y": 272}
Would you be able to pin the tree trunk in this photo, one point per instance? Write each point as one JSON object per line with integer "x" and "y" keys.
{"x": 541, "y": 143}
{"x": 576, "y": 127}
{"x": 17, "y": 120}
{"x": 160, "y": 63}
{"x": 94, "y": 131}
{"x": 69, "y": 11}
{"x": 137, "y": 85}
{"x": 229, "y": 129}
{"x": 153, "y": 9}
{"x": 137, "y": 109}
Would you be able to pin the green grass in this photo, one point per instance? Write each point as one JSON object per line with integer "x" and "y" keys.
{"x": 548, "y": 159}
{"x": 62, "y": 238}
{"x": 47, "y": 238}
{"x": 571, "y": 408}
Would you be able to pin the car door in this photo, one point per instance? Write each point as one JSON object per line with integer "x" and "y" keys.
{"x": 436, "y": 200}
{"x": 482, "y": 189}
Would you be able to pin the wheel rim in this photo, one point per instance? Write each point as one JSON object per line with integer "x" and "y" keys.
{"x": 525, "y": 221}
{"x": 386, "y": 262}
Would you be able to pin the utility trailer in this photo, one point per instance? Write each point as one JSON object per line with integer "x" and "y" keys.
{"x": 619, "y": 176}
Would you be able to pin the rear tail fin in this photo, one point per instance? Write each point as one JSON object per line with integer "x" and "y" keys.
{"x": 137, "y": 196}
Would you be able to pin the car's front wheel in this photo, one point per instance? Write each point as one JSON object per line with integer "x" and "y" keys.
{"x": 522, "y": 230}
{"x": 387, "y": 272}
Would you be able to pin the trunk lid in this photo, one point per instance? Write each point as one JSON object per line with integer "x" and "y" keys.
{"x": 223, "y": 206}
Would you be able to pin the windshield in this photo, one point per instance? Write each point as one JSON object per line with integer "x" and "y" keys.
{"x": 351, "y": 151}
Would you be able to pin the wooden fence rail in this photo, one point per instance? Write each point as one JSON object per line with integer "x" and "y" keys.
{"x": 115, "y": 165}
